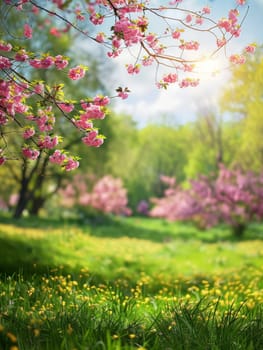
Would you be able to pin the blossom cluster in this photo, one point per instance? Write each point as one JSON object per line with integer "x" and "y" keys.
{"x": 168, "y": 47}
{"x": 38, "y": 124}
{"x": 235, "y": 197}
{"x": 106, "y": 196}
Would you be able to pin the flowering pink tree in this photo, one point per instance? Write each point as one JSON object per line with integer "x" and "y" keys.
{"x": 107, "y": 195}
{"x": 196, "y": 204}
{"x": 240, "y": 197}
{"x": 234, "y": 197}
{"x": 35, "y": 106}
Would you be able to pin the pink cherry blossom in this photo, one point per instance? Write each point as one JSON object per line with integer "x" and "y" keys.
{"x": 147, "y": 61}
{"x": 76, "y": 73}
{"x": 236, "y": 32}
{"x": 60, "y": 62}
{"x": 129, "y": 31}
{"x": 5, "y": 63}
{"x": 206, "y": 10}
{"x": 123, "y": 95}
{"x": 225, "y": 24}
{"x": 151, "y": 39}
{"x": 36, "y": 63}
{"x": 28, "y": 31}
{"x": 94, "y": 112}
{"x": 28, "y": 133}
{"x": 232, "y": 15}
{"x": 100, "y": 37}
{"x": 45, "y": 119}
{"x": 39, "y": 89}
{"x": 30, "y": 153}
{"x": 97, "y": 19}
{"x": 55, "y": 32}
{"x": 92, "y": 139}
{"x": 21, "y": 56}
{"x": 79, "y": 14}
{"x": 48, "y": 142}
{"x": 83, "y": 123}
{"x": 101, "y": 100}
{"x": 5, "y": 46}
{"x": 176, "y": 34}
{"x": 57, "y": 157}
{"x": 47, "y": 62}
{"x": 199, "y": 20}
{"x": 71, "y": 164}
{"x": 66, "y": 107}
{"x": 133, "y": 69}
{"x": 250, "y": 48}
{"x": 188, "y": 18}
{"x": 116, "y": 43}
{"x": 170, "y": 78}
{"x": 189, "y": 45}
{"x": 237, "y": 59}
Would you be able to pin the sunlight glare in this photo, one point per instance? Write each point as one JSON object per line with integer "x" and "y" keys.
{"x": 209, "y": 68}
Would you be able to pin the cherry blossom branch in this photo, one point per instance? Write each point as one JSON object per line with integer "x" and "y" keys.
{"x": 36, "y": 107}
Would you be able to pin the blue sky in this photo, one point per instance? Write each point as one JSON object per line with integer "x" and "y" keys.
{"x": 148, "y": 104}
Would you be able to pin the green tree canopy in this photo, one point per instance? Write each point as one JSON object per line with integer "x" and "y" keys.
{"x": 243, "y": 97}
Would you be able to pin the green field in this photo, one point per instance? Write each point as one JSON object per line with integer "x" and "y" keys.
{"x": 129, "y": 283}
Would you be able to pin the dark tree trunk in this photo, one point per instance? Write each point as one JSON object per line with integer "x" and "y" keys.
{"x": 37, "y": 200}
{"x": 36, "y": 204}
{"x": 23, "y": 193}
{"x": 32, "y": 180}
{"x": 238, "y": 230}
{"x": 21, "y": 204}
{"x": 32, "y": 195}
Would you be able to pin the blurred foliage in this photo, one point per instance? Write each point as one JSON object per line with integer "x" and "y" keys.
{"x": 243, "y": 98}
{"x": 160, "y": 151}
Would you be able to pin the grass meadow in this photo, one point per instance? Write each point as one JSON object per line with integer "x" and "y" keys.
{"x": 129, "y": 283}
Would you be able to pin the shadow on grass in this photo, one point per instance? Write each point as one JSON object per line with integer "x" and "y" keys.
{"x": 24, "y": 256}
{"x": 24, "y": 259}
{"x": 155, "y": 230}
{"x": 35, "y": 222}
{"x": 162, "y": 231}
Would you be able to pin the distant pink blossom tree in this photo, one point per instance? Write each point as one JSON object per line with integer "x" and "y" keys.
{"x": 235, "y": 197}
{"x": 107, "y": 195}
{"x": 240, "y": 197}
